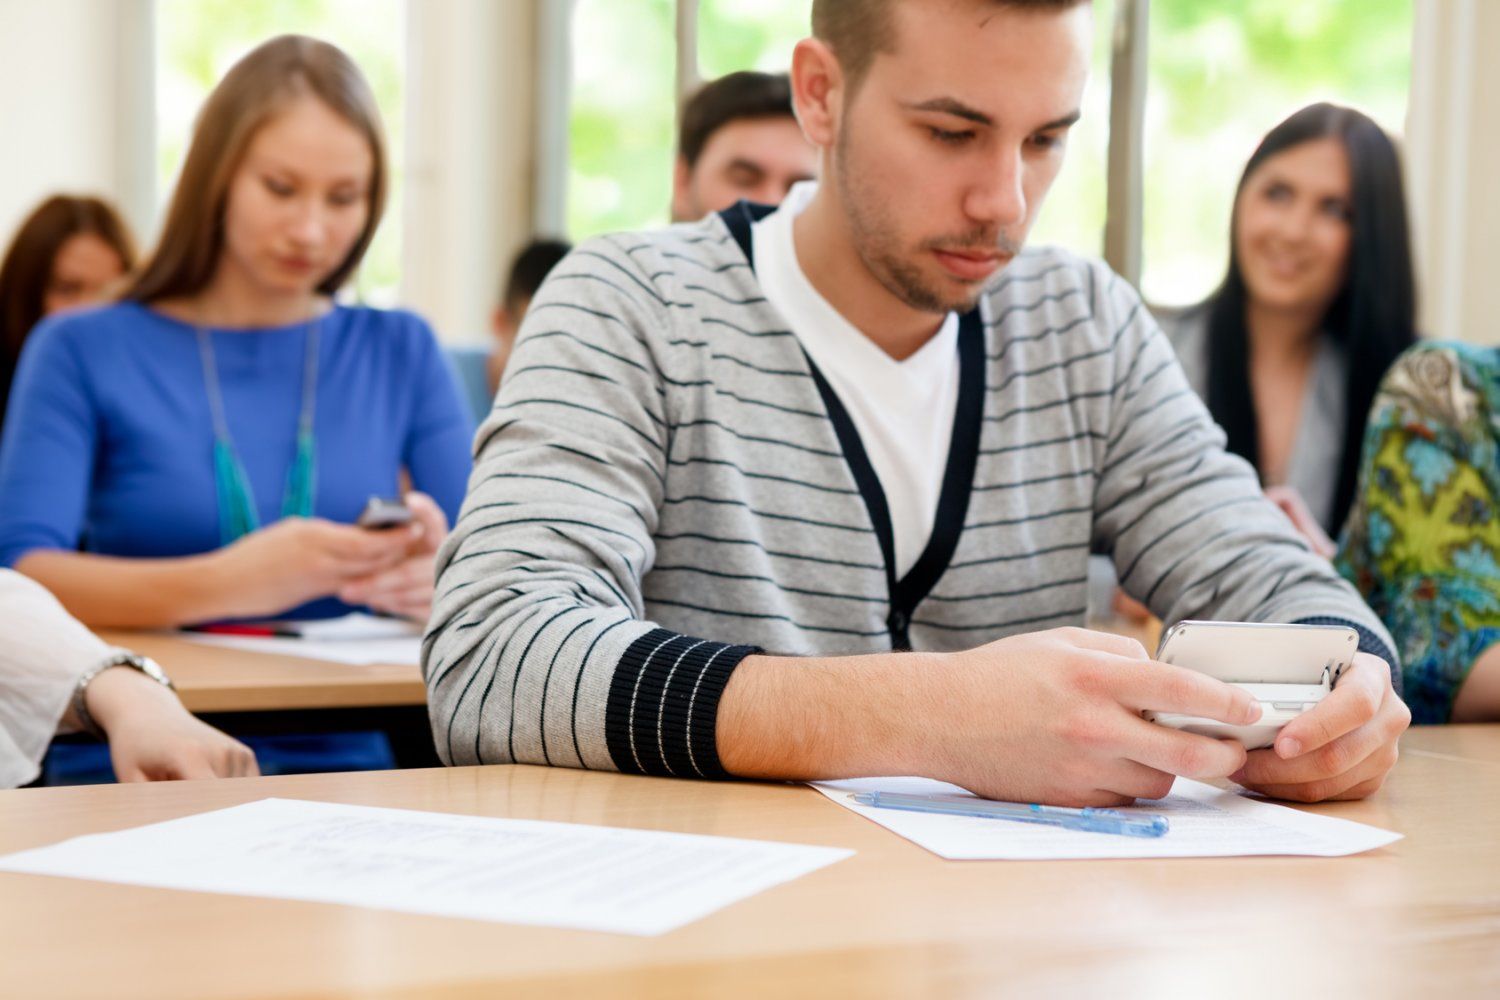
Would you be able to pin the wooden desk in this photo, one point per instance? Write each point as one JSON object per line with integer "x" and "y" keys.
{"x": 1469, "y": 744}
{"x": 1419, "y": 917}
{"x": 213, "y": 679}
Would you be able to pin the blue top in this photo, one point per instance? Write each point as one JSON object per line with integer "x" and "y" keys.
{"x": 108, "y": 440}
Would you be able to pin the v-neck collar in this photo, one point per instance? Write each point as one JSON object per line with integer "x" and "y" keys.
{"x": 911, "y": 589}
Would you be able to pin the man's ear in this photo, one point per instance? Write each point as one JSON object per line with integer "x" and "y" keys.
{"x": 683, "y": 209}
{"x": 817, "y": 91}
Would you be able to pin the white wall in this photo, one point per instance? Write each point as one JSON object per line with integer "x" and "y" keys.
{"x": 469, "y": 165}
{"x": 1453, "y": 163}
{"x": 71, "y": 76}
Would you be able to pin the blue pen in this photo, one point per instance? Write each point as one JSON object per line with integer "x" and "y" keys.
{"x": 1089, "y": 820}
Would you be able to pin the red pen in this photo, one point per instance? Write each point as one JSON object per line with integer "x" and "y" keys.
{"x": 266, "y": 631}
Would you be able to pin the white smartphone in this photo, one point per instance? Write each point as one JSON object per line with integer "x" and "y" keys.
{"x": 1287, "y": 668}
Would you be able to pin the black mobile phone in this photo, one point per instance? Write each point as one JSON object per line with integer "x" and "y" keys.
{"x": 384, "y": 513}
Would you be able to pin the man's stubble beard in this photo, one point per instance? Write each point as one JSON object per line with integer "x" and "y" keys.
{"x": 878, "y": 242}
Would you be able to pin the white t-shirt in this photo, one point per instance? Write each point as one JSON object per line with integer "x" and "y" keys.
{"x": 903, "y": 410}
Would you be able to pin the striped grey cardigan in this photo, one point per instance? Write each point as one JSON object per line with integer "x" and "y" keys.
{"x": 667, "y": 484}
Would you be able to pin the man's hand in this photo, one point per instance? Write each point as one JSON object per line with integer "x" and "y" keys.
{"x": 1342, "y": 749}
{"x": 1050, "y": 717}
{"x": 1055, "y": 717}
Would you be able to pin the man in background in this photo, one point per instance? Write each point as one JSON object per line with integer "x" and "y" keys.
{"x": 738, "y": 139}
{"x": 535, "y": 261}
{"x": 478, "y": 369}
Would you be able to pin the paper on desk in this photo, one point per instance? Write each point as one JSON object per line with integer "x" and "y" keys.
{"x": 511, "y": 870}
{"x": 356, "y": 626}
{"x": 399, "y": 649}
{"x": 355, "y": 638}
{"x": 1205, "y": 823}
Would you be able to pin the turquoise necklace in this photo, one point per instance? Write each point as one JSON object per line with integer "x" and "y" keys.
{"x": 237, "y": 513}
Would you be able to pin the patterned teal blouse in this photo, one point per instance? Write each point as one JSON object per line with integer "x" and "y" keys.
{"x": 1422, "y": 542}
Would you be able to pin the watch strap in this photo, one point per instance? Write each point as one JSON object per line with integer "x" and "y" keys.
{"x": 116, "y": 658}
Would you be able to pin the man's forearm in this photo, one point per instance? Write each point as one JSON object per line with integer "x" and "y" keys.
{"x": 832, "y": 717}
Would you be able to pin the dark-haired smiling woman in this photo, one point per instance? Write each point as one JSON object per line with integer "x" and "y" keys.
{"x": 1317, "y": 304}
{"x": 209, "y": 440}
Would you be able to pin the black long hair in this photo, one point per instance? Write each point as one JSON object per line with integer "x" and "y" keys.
{"x": 1374, "y": 315}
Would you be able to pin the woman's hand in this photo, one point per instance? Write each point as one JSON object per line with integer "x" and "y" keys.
{"x": 1295, "y": 508}
{"x": 298, "y": 559}
{"x": 1127, "y": 608}
{"x": 405, "y": 589}
{"x": 153, "y": 738}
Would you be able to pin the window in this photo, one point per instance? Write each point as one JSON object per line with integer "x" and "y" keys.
{"x": 749, "y": 34}
{"x": 1073, "y": 215}
{"x": 1222, "y": 74}
{"x": 623, "y": 121}
{"x": 197, "y": 42}
{"x": 622, "y": 127}
{"x": 622, "y": 115}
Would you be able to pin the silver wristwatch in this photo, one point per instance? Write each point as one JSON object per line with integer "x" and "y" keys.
{"x": 116, "y": 658}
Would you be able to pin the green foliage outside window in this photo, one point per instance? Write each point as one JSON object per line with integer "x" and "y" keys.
{"x": 749, "y": 34}
{"x": 1221, "y": 73}
{"x": 623, "y": 111}
{"x": 622, "y": 130}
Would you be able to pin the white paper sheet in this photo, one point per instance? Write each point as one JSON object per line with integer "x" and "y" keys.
{"x": 516, "y": 871}
{"x": 402, "y": 652}
{"x": 355, "y": 626}
{"x": 1205, "y": 823}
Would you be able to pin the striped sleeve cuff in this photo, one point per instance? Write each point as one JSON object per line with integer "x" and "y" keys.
{"x": 1369, "y": 642}
{"x": 664, "y": 703}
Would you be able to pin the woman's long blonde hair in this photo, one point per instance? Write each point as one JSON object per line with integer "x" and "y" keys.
{"x": 254, "y": 90}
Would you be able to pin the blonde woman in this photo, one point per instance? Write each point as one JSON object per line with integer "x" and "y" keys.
{"x": 200, "y": 449}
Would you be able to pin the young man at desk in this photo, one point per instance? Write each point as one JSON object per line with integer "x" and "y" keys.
{"x": 810, "y": 493}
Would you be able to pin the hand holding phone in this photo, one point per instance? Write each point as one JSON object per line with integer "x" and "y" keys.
{"x": 404, "y": 590}
{"x": 1289, "y": 669}
{"x": 383, "y": 513}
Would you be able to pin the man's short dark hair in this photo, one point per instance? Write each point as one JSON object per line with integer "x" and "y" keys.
{"x": 742, "y": 95}
{"x": 858, "y": 29}
{"x": 530, "y": 268}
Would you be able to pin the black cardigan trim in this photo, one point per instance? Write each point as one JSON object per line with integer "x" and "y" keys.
{"x": 958, "y": 476}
